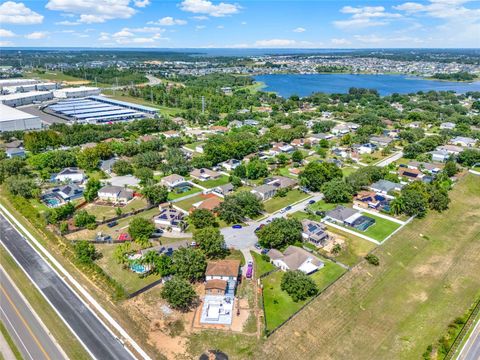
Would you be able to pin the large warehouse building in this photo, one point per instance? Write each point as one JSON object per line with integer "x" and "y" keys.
{"x": 19, "y": 99}
{"x": 76, "y": 92}
{"x": 12, "y": 119}
{"x": 43, "y": 86}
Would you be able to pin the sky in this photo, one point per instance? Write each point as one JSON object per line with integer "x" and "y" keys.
{"x": 241, "y": 24}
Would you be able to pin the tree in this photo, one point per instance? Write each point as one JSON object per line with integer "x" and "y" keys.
{"x": 83, "y": 219}
{"x": 122, "y": 167}
{"x": 212, "y": 242}
{"x": 145, "y": 175}
{"x": 397, "y": 206}
{"x": 121, "y": 251}
{"x": 257, "y": 169}
{"x": 415, "y": 199}
{"x": 364, "y": 176}
{"x": 179, "y": 293}
{"x": 85, "y": 252}
{"x": 372, "y": 259}
{"x": 140, "y": 230}
{"x": 155, "y": 194}
{"x": 240, "y": 171}
{"x": 236, "y": 181}
{"x": 297, "y": 156}
{"x": 163, "y": 265}
{"x": 238, "y": 206}
{"x": 88, "y": 159}
{"x": 316, "y": 174}
{"x": 438, "y": 199}
{"x": 91, "y": 189}
{"x": 22, "y": 186}
{"x": 189, "y": 263}
{"x": 337, "y": 191}
{"x": 450, "y": 168}
{"x": 298, "y": 285}
{"x": 279, "y": 233}
{"x": 469, "y": 157}
{"x": 60, "y": 213}
{"x": 202, "y": 218}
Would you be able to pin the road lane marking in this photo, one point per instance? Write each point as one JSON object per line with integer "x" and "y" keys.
{"x": 24, "y": 322}
{"x": 16, "y": 334}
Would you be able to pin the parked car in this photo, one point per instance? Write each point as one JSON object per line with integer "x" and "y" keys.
{"x": 112, "y": 224}
{"x": 258, "y": 246}
{"x": 288, "y": 208}
{"x": 157, "y": 233}
{"x": 320, "y": 213}
{"x": 259, "y": 227}
{"x": 249, "y": 273}
{"x": 264, "y": 251}
{"x": 236, "y": 226}
{"x": 311, "y": 202}
{"x": 193, "y": 244}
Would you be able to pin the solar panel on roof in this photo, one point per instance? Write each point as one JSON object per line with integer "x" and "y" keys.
{"x": 105, "y": 113}
{"x": 123, "y": 103}
{"x": 91, "y": 111}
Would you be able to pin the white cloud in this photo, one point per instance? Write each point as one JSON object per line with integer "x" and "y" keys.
{"x": 340, "y": 42}
{"x": 36, "y": 35}
{"x": 208, "y": 8}
{"x": 200, "y": 17}
{"x": 128, "y": 36}
{"x": 67, "y": 23}
{"x": 141, "y": 3}
{"x": 17, "y": 13}
{"x": 366, "y": 16}
{"x": 94, "y": 11}
{"x": 4, "y": 33}
{"x": 275, "y": 43}
{"x": 299, "y": 30}
{"x": 220, "y": 27}
{"x": 243, "y": 23}
{"x": 168, "y": 21}
{"x": 122, "y": 33}
{"x": 200, "y": 27}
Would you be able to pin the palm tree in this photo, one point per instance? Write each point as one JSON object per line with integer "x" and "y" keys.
{"x": 397, "y": 206}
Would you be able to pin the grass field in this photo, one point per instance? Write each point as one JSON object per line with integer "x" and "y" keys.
{"x": 128, "y": 279}
{"x": 53, "y": 76}
{"x": 109, "y": 212}
{"x": 222, "y": 180}
{"x": 261, "y": 266}
{"x": 428, "y": 276}
{"x": 355, "y": 248}
{"x": 278, "y": 203}
{"x": 323, "y": 206}
{"x": 279, "y": 306}
{"x": 188, "y": 203}
{"x": 173, "y": 195}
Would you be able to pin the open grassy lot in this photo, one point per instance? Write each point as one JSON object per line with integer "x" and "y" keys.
{"x": 428, "y": 276}
{"x": 188, "y": 203}
{"x": 278, "y": 203}
{"x": 355, "y": 248}
{"x": 279, "y": 306}
{"x": 128, "y": 279}
{"x": 173, "y": 195}
{"x": 380, "y": 230}
{"x": 115, "y": 231}
{"x": 285, "y": 172}
{"x": 261, "y": 266}
{"x": 222, "y": 180}
{"x": 109, "y": 211}
{"x": 54, "y": 76}
{"x": 323, "y": 206}
{"x": 193, "y": 145}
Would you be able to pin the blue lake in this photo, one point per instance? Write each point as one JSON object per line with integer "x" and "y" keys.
{"x": 304, "y": 85}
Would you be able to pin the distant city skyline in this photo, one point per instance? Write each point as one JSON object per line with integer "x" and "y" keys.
{"x": 240, "y": 24}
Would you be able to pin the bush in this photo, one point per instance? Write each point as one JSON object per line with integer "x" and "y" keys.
{"x": 85, "y": 252}
{"x": 179, "y": 293}
{"x": 372, "y": 259}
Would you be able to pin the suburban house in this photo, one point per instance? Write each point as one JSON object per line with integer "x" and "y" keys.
{"x": 410, "y": 174}
{"x": 367, "y": 148}
{"x": 264, "y": 192}
{"x": 372, "y": 200}
{"x": 224, "y": 189}
{"x": 219, "y": 129}
{"x": 204, "y": 174}
{"x": 280, "y": 147}
{"x": 349, "y": 217}
{"x": 385, "y": 187}
{"x": 381, "y": 141}
{"x": 169, "y": 218}
{"x": 171, "y": 134}
{"x": 225, "y": 270}
{"x": 115, "y": 194}
{"x": 199, "y": 148}
{"x": 299, "y": 142}
{"x": 251, "y": 122}
{"x": 463, "y": 141}
{"x": 440, "y": 155}
{"x": 451, "y": 149}
{"x": 15, "y": 152}
{"x": 447, "y": 126}
{"x": 295, "y": 258}
{"x": 210, "y": 203}
{"x": 70, "y": 174}
{"x": 340, "y": 129}
{"x": 235, "y": 124}
{"x": 59, "y": 195}
{"x": 172, "y": 181}
{"x": 231, "y": 164}
{"x": 424, "y": 166}
{"x": 315, "y": 233}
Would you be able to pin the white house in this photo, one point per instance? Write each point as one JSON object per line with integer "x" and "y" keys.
{"x": 295, "y": 258}
{"x": 231, "y": 164}
{"x": 440, "y": 155}
{"x": 447, "y": 126}
{"x": 172, "y": 181}
{"x": 366, "y": 148}
{"x": 115, "y": 194}
{"x": 463, "y": 141}
{"x": 70, "y": 174}
{"x": 340, "y": 129}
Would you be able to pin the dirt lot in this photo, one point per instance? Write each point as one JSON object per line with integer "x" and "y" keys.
{"x": 428, "y": 275}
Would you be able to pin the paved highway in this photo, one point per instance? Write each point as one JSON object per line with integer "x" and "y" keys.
{"x": 471, "y": 350}
{"x": 99, "y": 341}
{"x": 23, "y": 326}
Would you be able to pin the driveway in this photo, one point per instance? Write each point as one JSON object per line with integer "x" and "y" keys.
{"x": 390, "y": 159}
{"x": 245, "y": 238}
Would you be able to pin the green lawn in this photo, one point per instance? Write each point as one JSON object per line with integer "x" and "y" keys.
{"x": 348, "y": 170}
{"x": 236, "y": 255}
{"x": 109, "y": 211}
{"x": 279, "y": 306}
{"x": 427, "y": 277}
{"x": 222, "y": 180}
{"x": 278, "y": 203}
{"x": 354, "y": 249}
{"x": 261, "y": 266}
{"x": 173, "y": 195}
{"x": 285, "y": 172}
{"x": 128, "y": 279}
{"x": 323, "y": 206}
{"x": 193, "y": 145}
{"x": 53, "y": 76}
{"x": 380, "y": 230}
{"x": 188, "y": 203}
